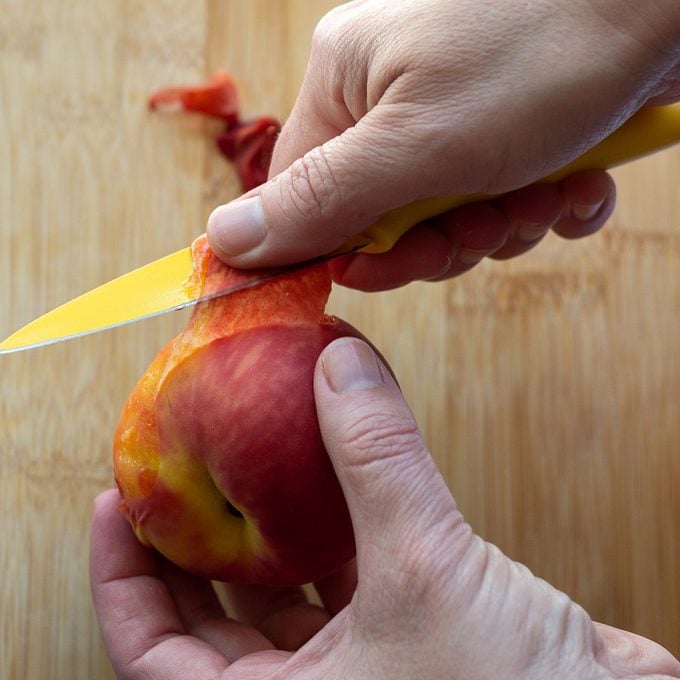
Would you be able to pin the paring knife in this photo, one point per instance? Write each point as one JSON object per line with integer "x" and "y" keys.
{"x": 160, "y": 286}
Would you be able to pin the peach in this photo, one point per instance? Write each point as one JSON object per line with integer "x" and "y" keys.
{"x": 218, "y": 454}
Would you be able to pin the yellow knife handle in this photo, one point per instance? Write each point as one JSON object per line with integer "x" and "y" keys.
{"x": 651, "y": 129}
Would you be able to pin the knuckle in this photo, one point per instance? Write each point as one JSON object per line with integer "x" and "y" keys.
{"x": 329, "y": 32}
{"x": 335, "y": 46}
{"x": 313, "y": 188}
{"x": 322, "y": 37}
{"x": 376, "y": 439}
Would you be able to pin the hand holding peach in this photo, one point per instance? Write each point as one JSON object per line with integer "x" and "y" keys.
{"x": 431, "y": 599}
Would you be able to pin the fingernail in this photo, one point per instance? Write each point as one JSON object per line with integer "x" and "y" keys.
{"x": 470, "y": 256}
{"x": 350, "y": 364}
{"x": 528, "y": 232}
{"x": 237, "y": 227}
{"x": 585, "y": 212}
{"x": 445, "y": 268}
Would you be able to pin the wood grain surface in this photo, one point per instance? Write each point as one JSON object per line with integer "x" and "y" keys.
{"x": 547, "y": 387}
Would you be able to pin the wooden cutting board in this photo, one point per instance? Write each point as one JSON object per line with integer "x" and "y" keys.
{"x": 547, "y": 387}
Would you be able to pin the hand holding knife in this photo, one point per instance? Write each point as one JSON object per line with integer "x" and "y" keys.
{"x": 161, "y": 286}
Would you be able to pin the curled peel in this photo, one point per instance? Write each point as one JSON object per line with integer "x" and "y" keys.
{"x": 248, "y": 144}
{"x": 296, "y": 297}
{"x": 216, "y": 97}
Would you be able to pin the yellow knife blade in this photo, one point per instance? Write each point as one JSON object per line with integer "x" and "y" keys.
{"x": 160, "y": 286}
{"x": 156, "y": 288}
{"x": 152, "y": 289}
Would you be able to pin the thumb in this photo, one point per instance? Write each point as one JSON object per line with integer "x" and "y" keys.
{"x": 393, "y": 489}
{"x": 330, "y": 193}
